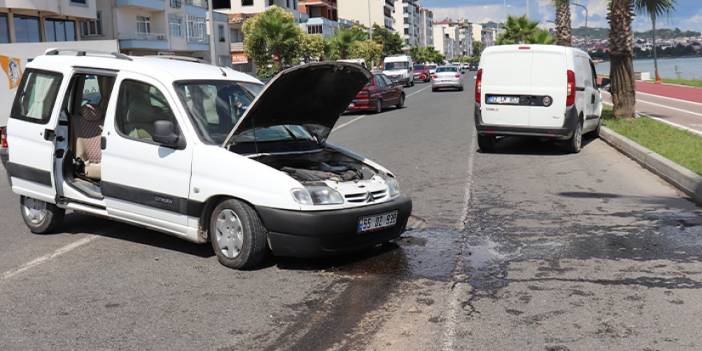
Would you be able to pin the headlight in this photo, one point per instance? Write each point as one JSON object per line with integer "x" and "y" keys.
{"x": 317, "y": 195}
{"x": 393, "y": 185}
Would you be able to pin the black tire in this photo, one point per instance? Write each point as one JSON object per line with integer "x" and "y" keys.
{"x": 460, "y": 88}
{"x": 487, "y": 143}
{"x": 575, "y": 143}
{"x": 39, "y": 216}
{"x": 434, "y": 90}
{"x": 253, "y": 250}
{"x": 402, "y": 101}
{"x": 378, "y": 106}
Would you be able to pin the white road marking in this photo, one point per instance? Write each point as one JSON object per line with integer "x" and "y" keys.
{"x": 670, "y": 98}
{"x": 364, "y": 116}
{"x": 46, "y": 258}
{"x": 665, "y": 106}
{"x": 455, "y": 299}
{"x": 680, "y": 126}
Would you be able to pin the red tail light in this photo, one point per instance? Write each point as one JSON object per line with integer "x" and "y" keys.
{"x": 570, "y": 99}
{"x": 478, "y": 85}
{"x": 3, "y": 137}
{"x": 362, "y": 93}
{"x": 433, "y": 76}
{"x": 458, "y": 75}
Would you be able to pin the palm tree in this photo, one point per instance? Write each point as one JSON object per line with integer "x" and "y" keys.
{"x": 343, "y": 40}
{"x": 542, "y": 36}
{"x": 564, "y": 35}
{"x": 272, "y": 38}
{"x": 654, "y": 9}
{"x": 621, "y": 54}
{"x": 518, "y": 30}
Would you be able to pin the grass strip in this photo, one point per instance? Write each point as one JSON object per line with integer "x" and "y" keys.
{"x": 675, "y": 144}
{"x": 688, "y": 82}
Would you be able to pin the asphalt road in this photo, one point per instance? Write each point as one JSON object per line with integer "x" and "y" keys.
{"x": 681, "y": 113}
{"x": 524, "y": 249}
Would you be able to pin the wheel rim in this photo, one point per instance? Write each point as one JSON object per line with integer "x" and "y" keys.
{"x": 34, "y": 210}
{"x": 578, "y": 137}
{"x": 229, "y": 233}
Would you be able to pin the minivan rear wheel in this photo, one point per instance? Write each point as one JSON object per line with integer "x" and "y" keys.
{"x": 486, "y": 143}
{"x": 41, "y": 217}
{"x": 237, "y": 235}
{"x": 574, "y": 144}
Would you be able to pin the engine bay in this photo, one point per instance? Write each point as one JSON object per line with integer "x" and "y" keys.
{"x": 324, "y": 165}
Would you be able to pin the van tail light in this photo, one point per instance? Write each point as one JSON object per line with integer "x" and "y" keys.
{"x": 3, "y": 137}
{"x": 570, "y": 99}
{"x": 478, "y": 85}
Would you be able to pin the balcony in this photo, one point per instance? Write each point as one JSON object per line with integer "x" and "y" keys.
{"x": 158, "y": 5}
{"x": 154, "y": 41}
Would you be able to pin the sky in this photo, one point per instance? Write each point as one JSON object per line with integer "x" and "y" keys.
{"x": 687, "y": 16}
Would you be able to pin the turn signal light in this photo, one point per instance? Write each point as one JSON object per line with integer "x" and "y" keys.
{"x": 478, "y": 85}
{"x": 3, "y": 137}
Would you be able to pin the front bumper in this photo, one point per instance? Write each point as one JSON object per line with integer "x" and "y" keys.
{"x": 564, "y": 132}
{"x": 324, "y": 233}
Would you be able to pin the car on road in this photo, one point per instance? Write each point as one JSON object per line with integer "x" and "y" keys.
{"x": 447, "y": 77}
{"x": 3, "y": 145}
{"x": 399, "y": 68}
{"x": 432, "y": 68}
{"x": 545, "y": 91}
{"x": 201, "y": 152}
{"x": 422, "y": 73}
{"x": 379, "y": 93}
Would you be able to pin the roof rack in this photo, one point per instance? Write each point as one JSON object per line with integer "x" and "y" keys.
{"x": 117, "y": 55}
{"x": 180, "y": 58}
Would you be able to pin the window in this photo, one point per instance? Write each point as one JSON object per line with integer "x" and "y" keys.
{"x": 139, "y": 105}
{"x": 196, "y": 29}
{"x": 236, "y": 35}
{"x": 36, "y": 96}
{"x": 175, "y": 24}
{"x": 379, "y": 82}
{"x": 82, "y": 2}
{"x": 59, "y": 30}
{"x": 143, "y": 24}
{"x": 387, "y": 80}
{"x": 246, "y": 2}
{"x": 315, "y": 29}
{"x": 26, "y": 29}
{"x": 92, "y": 28}
{"x": 4, "y": 29}
{"x": 220, "y": 33}
{"x": 271, "y": 2}
{"x": 176, "y": 4}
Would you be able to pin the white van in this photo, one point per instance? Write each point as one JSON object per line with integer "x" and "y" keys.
{"x": 361, "y": 62}
{"x": 201, "y": 152}
{"x": 536, "y": 90}
{"x": 400, "y": 69}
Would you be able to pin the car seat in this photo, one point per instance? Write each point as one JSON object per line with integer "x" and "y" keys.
{"x": 87, "y": 131}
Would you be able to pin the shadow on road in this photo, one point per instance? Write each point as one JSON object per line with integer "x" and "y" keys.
{"x": 533, "y": 146}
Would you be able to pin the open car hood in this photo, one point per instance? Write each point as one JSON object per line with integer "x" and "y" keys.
{"x": 312, "y": 95}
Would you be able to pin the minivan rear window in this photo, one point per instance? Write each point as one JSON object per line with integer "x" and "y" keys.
{"x": 36, "y": 96}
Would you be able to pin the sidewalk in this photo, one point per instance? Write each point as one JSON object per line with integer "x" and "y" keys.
{"x": 673, "y": 104}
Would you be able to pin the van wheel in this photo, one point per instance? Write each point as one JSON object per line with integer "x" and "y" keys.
{"x": 402, "y": 101}
{"x": 237, "y": 235}
{"x": 574, "y": 144}
{"x": 486, "y": 143}
{"x": 378, "y": 106}
{"x": 41, "y": 217}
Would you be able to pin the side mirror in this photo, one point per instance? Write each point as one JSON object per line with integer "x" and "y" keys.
{"x": 165, "y": 134}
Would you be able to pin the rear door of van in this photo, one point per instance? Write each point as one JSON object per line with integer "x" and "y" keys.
{"x": 549, "y": 78}
{"x": 506, "y": 77}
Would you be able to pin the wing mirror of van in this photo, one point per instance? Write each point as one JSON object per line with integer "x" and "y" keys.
{"x": 166, "y": 135}
{"x": 604, "y": 84}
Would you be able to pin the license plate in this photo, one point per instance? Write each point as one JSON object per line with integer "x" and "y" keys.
{"x": 375, "y": 222}
{"x": 503, "y": 100}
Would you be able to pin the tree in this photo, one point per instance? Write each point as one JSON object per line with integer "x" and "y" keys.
{"x": 621, "y": 52}
{"x": 477, "y": 48}
{"x": 542, "y": 36}
{"x": 563, "y": 28}
{"x": 391, "y": 41}
{"x": 368, "y": 50}
{"x": 426, "y": 54}
{"x": 272, "y": 40}
{"x": 312, "y": 47}
{"x": 518, "y": 30}
{"x": 343, "y": 40}
{"x": 655, "y": 8}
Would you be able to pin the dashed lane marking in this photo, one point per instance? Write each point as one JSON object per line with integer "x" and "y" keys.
{"x": 46, "y": 258}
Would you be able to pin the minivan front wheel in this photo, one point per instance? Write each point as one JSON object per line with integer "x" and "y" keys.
{"x": 41, "y": 217}
{"x": 237, "y": 235}
{"x": 574, "y": 144}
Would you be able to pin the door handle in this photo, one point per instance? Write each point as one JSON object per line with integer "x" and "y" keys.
{"x": 103, "y": 143}
{"x": 592, "y": 99}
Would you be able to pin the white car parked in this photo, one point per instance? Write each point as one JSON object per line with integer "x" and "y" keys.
{"x": 199, "y": 151}
{"x": 536, "y": 90}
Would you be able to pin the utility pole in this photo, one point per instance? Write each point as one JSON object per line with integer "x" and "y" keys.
{"x": 587, "y": 41}
{"x": 370, "y": 22}
{"x": 210, "y": 14}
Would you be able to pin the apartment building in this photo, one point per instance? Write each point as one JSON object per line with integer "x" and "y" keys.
{"x": 368, "y": 12}
{"x": 323, "y": 17}
{"x": 445, "y": 40}
{"x": 426, "y": 27}
{"x": 153, "y": 27}
{"x": 32, "y": 21}
{"x": 406, "y": 21}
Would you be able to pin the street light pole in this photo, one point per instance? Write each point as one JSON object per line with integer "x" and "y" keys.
{"x": 213, "y": 52}
{"x": 370, "y": 22}
{"x": 586, "y": 16}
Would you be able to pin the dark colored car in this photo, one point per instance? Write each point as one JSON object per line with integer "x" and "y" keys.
{"x": 422, "y": 73}
{"x": 3, "y": 145}
{"x": 378, "y": 94}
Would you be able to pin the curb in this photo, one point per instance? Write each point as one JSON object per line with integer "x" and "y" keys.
{"x": 682, "y": 178}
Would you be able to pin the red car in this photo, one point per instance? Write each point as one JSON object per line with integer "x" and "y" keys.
{"x": 378, "y": 94}
{"x": 422, "y": 73}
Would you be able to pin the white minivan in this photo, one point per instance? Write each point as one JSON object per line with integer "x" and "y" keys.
{"x": 400, "y": 69}
{"x": 201, "y": 152}
{"x": 544, "y": 91}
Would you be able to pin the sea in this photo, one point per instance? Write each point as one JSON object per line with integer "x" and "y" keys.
{"x": 671, "y": 68}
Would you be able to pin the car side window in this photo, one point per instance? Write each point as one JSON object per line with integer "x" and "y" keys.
{"x": 139, "y": 105}
{"x": 36, "y": 96}
{"x": 386, "y": 80}
{"x": 379, "y": 82}
{"x": 594, "y": 74}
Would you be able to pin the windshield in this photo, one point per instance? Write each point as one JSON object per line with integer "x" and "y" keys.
{"x": 432, "y": 66}
{"x": 389, "y": 66}
{"x": 447, "y": 69}
{"x": 216, "y": 106}
{"x": 418, "y": 67}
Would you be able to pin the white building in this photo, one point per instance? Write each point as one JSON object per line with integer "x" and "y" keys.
{"x": 426, "y": 27}
{"x": 32, "y": 21}
{"x": 407, "y": 18}
{"x": 444, "y": 40}
{"x": 380, "y": 12}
